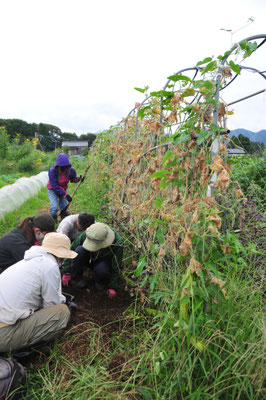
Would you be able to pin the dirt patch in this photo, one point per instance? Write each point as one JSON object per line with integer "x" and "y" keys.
{"x": 94, "y": 310}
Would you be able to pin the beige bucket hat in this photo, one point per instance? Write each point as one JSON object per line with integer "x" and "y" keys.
{"x": 98, "y": 236}
{"x": 58, "y": 244}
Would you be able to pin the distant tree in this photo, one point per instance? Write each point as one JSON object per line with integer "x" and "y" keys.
{"x": 68, "y": 136}
{"x": 15, "y": 126}
{"x": 246, "y": 144}
{"x": 90, "y": 137}
{"x": 49, "y": 136}
{"x": 4, "y": 143}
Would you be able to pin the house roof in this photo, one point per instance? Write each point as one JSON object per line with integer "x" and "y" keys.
{"x": 236, "y": 151}
{"x": 75, "y": 143}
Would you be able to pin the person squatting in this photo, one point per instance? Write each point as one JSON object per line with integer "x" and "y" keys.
{"x": 33, "y": 308}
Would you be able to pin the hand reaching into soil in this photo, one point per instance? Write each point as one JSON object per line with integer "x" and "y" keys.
{"x": 65, "y": 279}
{"x": 111, "y": 293}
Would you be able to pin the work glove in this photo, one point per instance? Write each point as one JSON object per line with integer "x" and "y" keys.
{"x": 66, "y": 278}
{"x": 69, "y": 198}
{"x": 81, "y": 178}
{"x": 71, "y": 305}
{"x": 111, "y": 293}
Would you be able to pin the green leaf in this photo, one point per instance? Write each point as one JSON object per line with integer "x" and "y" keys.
{"x": 249, "y": 47}
{"x": 140, "y": 266}
{"x": 159, "y": 174}
{"x": 167, "y": 155}
{"x": 146, "y": 393}
{"x": 182, "y": 138}
{"x": 160, "y": 236}
{"x": 140, "y": 90}
{"x": 163, "y": 183}
{"x": 207, "y": 59}
{"x": 235, "y": 67}
{"x": 177, "y": 183}
{"x": 147, "y": 220}
{"x": 184, "y": 300}
{"x": 204, "y": 135}
{"x": 158, "y": 202}
{"x": 211, "y": 66}
{"x": 141, "y": 111}
{"x": 176, "y": 78}
{"x": 162, "y": 93}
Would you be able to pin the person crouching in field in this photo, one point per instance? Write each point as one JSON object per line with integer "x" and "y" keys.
{"x": 26, "y": 286}
{"x": 59, "y": 176}
{"x": 101, "y": 249}
{"x": 74, "y": 225}
{"x": 30, "y": 231}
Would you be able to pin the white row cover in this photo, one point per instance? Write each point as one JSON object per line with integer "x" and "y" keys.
{"x": 13, "y": 196}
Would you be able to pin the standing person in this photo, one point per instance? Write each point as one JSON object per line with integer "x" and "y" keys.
{"x": 101, "y": 249}
{"x": 59, "y": 176}
{"x": 74, "y": 225}
{"x": 29, "y": 284}
{"x": 29, "y": 232}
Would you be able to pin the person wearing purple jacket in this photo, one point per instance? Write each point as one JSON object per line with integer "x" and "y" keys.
{"x": 59, "y": 176}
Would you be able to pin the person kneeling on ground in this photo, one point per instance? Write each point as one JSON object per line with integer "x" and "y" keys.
{"x": 29, "y": 284}
{"x": 73, "y": 225}
{"x": 101, "y": 249}
{"x": 29, "y": 232}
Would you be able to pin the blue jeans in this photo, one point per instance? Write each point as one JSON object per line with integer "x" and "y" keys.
{"x": 56, "y": 202}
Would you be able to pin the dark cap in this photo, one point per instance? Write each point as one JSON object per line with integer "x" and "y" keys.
{"x": 85, "y": 220}
{"x": 44, "y": 222}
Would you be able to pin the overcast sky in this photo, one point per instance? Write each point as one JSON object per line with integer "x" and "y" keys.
{"x": 75, "y": 63}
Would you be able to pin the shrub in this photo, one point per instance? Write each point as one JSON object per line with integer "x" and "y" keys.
{"x": 249, "y": 171}
{"x": 26, "y": 164}
{"x": 4, "y": 143}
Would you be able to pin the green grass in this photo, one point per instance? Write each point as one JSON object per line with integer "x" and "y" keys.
{"x": 30, "y": 208}
{"x": 9, "y": 179}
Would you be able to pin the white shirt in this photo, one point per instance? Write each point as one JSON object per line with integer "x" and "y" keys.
{"x": 68, "y": 226}
{"x": 26, "y": 285}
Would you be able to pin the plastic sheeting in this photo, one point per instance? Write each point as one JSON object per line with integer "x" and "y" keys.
{"x": 13, "y": 196}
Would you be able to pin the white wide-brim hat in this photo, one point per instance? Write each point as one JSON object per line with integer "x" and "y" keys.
{"x": 98, "y": 236}
{"x": 58, "y": 244}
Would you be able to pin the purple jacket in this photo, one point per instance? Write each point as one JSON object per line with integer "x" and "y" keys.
{"x": 59, "y": 181}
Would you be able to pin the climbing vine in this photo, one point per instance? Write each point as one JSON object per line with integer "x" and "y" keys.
{"x": 166, "y": 163}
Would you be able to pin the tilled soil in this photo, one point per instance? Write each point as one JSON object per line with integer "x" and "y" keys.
{"x": 94, "y": 310}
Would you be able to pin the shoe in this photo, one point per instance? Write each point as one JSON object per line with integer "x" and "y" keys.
{"x": 22, "y": 353}
{"x": 81, "y": 284}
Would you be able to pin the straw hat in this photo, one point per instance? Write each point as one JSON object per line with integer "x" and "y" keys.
{"x": 98, "y": 236}
{"x": 58, "y": 244}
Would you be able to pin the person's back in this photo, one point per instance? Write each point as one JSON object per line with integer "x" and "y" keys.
{"x": 32, "y": 306}
{"x": 73, "y": 225}
{"x": 68, "y": 226}
{"x": 29, "y": 232}
{"x": 12, "y": 248}
{"x": 25, "y": 286}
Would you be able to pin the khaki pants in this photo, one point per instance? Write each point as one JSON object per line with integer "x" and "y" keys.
{"x": 42, "y": 326}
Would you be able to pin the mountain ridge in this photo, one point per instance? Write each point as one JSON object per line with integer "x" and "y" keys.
{"x": 259, "y": 136}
